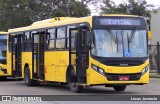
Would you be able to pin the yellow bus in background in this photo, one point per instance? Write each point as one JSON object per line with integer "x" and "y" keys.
{"x": 3, "y": 56}
{"x": 149, "y": 37}
{"x": 109, "y": 50}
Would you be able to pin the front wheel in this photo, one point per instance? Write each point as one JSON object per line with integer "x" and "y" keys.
{"x": 120, "y": 88}
{"x": 74, "y": 87}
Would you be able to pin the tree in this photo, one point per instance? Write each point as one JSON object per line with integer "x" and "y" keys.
{"x": 18, "y": 13}
{"x": 134, "y": 7}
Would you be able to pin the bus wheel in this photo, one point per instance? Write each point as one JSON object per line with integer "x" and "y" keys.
{"x": 74, "y": 87}
{"x": 119, "y": 88}
{"x": 28, "y": 81}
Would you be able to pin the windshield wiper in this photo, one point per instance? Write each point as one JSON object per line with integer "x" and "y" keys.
{"x": 132, "y": 35}
{"x": 128, "y": 41}
{"x": 130, "y": 38}
{"x": 117, "y": 41}
{"x": 111, "y": 34}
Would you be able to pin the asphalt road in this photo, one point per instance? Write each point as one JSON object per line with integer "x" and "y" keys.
{"x": 15, "y": 87}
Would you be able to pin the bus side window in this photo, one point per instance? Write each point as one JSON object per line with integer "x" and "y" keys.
{"x": 50, "y": 39}
{"x": 73, "y": 34}
{"x": 27, "y": 43}
{"x": 60, "y": 40}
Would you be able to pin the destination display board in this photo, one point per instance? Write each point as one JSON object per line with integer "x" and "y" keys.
{"x": 119, "y": 21}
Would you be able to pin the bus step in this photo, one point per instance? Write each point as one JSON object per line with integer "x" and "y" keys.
{"x": 40, "y": 80}
{"x": 82, "y": 84}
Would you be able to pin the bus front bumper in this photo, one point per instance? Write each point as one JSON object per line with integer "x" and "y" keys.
{"x": 113, "y": 79}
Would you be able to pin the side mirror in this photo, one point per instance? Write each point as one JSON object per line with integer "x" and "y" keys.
{"x": 89, "y": 37}
{"x": 87, "y": 34}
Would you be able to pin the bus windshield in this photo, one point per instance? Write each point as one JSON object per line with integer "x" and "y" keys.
{"x": 3, "y": 45}
{"x": 119, "y": 43}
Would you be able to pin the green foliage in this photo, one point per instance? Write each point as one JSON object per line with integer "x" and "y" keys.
{"x": 134, "y": 7}
{"x": 18, "y": 13}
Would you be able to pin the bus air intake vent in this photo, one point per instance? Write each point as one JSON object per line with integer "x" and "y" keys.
{"x": 123, "y": 63}
{"x": 115, "y": 77}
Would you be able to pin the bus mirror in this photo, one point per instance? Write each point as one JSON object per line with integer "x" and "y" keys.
{"x": 89, "y": 37}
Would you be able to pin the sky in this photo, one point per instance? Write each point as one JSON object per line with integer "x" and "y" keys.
{"x": 96, "y": 11}
{"x": 148, "y": 1}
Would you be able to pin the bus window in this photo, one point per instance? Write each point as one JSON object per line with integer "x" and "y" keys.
{"x": 60, "y": 41}
{"x": 73, "y": 33}
{"x": 50, "y": 39}
{"x": 27, "y": 43}
{"x": 3, "y": 45}
{"x": 27, "y": 36}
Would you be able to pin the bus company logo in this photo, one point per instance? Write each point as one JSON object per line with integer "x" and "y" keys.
{"x": 6, "y": 98}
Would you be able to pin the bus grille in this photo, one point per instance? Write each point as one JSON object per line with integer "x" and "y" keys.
{"x": 115, "y": 77}
{"x": 123, "y": 63}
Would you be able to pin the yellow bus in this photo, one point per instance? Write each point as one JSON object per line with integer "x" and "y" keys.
{"x": 3, "y": 59}
{"x": 109, "y": 50}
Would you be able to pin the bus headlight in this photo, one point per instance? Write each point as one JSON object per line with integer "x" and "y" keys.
{"x": 145, "y": 70}
{"x": 99, "y": 70}
{"x": 95, "y": 67}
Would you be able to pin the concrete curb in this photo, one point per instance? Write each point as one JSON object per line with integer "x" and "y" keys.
{"x": 154, "y": 76}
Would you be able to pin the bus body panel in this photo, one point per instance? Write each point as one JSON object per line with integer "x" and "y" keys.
{"x": 97, "y": 78}
{"x": 50, "y": 66}
{"x": 26, "y": 60}
{"x": 56, "y": 64}
{"x": 62, "y": 64}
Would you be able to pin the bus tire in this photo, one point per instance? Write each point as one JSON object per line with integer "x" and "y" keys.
{"x": 28, "y": 81}
{"x": 120, "y": 88}
{"x": 74, "y": 87}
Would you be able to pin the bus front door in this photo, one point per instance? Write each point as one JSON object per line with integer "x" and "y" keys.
{"x": 80, "y": 57}
{"x": 17, "y": 56}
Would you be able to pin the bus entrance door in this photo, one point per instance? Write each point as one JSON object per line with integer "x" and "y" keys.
{"x": 82, "y": 54}
{"x": 38, "y": 56}
{"x": 41, "y": 56}
{"x": 79, "y": 56}
{"x": 16, "y": 56}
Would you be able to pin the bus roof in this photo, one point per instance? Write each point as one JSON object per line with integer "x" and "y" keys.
{"x": 51, "y": 20}
{"x": 121, "y": 15}
{"x": 60, "y": 21}
{"x": 45, "y": 24}
{"x": 3, "y": 32}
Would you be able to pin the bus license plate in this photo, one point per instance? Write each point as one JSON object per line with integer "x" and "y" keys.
{"x": 123, "y": 78}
